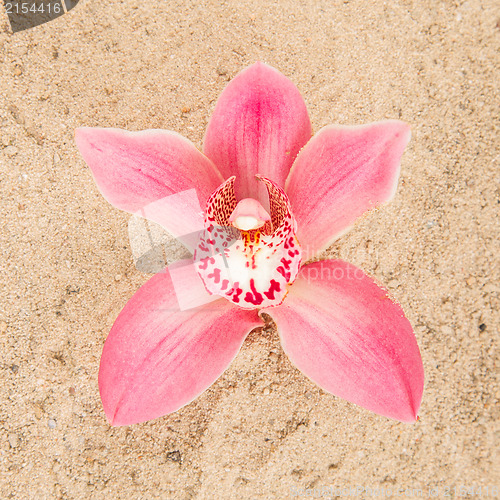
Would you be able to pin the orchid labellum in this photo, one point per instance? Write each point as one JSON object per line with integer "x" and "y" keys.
{"x": 271, "y": 197}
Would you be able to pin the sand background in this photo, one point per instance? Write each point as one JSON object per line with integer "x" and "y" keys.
{"x": 262, "y": 429}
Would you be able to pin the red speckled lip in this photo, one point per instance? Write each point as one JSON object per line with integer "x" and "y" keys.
{"x": 249, "y": 268}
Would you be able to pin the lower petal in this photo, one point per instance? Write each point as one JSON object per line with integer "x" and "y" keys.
{"x": 157, "y": 358}
{"x": 346, "y": 334}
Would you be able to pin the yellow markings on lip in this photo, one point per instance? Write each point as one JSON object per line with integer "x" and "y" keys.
{"x": 251, "y": 238}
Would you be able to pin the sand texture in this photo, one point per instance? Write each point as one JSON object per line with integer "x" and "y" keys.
{"x": 262, "y": 430}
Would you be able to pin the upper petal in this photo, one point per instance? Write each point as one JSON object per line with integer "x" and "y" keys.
{"x": 259, "y": 124}
{"x": 155, "y": 173}
{"x": 343, "y": 331}
{"x": 340, "y": 174}
{"x": 157, "y": 358}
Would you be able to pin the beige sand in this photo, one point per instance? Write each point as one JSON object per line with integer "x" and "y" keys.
{"x": 263, "y": 430}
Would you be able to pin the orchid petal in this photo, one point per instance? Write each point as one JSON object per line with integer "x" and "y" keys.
{"x": 343, "y": 331}
{"x": 258, "y": 126}
{"x": 342, "y": 173}
{"x": 190, "y": 290}
{"x": 157, "y": 358}
{"x": 157, "y": 174}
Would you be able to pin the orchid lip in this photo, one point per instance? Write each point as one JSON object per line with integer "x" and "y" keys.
{"x": 248, "y": 255}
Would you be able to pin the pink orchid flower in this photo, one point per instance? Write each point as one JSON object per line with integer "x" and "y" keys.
{"x": 336, "y": 324}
